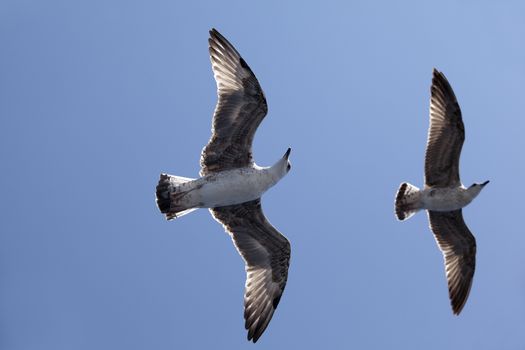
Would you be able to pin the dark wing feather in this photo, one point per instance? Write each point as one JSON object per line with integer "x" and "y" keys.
{"x": 445, "y": 135}
{"x": 267, "y": 256}
{"x": 459, "y": 251}
{"x": 240, "y": 109}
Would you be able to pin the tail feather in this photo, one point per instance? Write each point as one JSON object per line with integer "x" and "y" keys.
{"x": 167, "y": 188}
{"x": 407, "y": 201}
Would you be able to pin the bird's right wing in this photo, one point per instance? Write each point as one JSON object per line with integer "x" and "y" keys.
{"x": 266, "y": 253}
{"x": 458, "y": 246}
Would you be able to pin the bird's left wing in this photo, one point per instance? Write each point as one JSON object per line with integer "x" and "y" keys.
{"x": 446, "y": 135}
{"x": 266, "y": 253}
{"x": 240, "y": 109}
{"x": 458, "y": 246}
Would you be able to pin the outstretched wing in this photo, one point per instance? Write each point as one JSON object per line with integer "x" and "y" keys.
{"x": 266, "y": 253}
{"x": 445, "y": 135}
{"x": 240, "y": 109}
{"x": 458, "y": 246}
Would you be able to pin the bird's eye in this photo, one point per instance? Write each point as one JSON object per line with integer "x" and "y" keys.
{"x": 288, "y": 167}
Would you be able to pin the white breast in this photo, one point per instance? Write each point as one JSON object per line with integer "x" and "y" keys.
{"x": 233, "y": 187}
{"x": 445, "y": 199}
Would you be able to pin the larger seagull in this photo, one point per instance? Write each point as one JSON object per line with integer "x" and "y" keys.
{"x": 444, "y": 195}
{"x": 231, "y": 185}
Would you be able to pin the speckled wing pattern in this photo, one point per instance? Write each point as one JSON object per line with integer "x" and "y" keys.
{"x": 445, "y": 135}
{"x": 458, "y": 246}
{"x": 266, "y": 253}
{"x": 240, "y": 109}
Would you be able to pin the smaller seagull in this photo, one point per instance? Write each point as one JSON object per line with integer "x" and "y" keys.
{"x": 444, "y": 195}
{"x": 231, "y": 185}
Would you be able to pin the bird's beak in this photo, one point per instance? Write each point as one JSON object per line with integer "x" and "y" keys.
{"x": 287, "y": 154}
{"x": 486, "y": 182}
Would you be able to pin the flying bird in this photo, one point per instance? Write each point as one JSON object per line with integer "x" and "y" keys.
{"x": 231, "y": 185}
{"x": 444, "y": 195}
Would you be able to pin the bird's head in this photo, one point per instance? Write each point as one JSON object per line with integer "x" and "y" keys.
{"x": 476, "y": 188}
{"x": 283, "y": 166}
{"x": 286, "y": 156}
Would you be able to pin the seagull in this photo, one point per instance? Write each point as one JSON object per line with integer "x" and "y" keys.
{"x": 443, "y": 195}
{"x": 231, "y": 185}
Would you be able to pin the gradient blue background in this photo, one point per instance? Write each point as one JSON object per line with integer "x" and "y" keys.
{"x": 98, "y": 97}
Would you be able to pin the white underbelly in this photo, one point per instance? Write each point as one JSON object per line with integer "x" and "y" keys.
{"x": 443, "y": 200}
{"x": 231, "y": 188}
{"x": 442, "y": 205}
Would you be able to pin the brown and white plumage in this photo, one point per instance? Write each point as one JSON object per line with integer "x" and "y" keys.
{"x": 231, "y": 185}
{"x": 240, "y": 109}
{"x": 458, "y": 246}
{"x": 446, "y": 135}
{"x": 266, "y": 253}
{"x": 444, "y": 195}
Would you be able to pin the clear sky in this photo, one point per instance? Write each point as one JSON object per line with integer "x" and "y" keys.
{"x": 98, "y": 97}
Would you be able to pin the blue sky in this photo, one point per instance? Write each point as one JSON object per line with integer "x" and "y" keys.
{"x": 98, "y": 97}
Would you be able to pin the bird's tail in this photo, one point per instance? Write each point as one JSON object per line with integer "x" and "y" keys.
{"x": 408, "y": 201}
{"x": 171, "y": 194}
